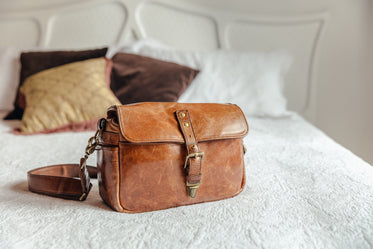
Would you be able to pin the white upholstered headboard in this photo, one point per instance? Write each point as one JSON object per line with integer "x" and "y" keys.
{"x": 88, "y": 24}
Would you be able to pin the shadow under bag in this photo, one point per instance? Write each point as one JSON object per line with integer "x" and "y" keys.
{"x": 154, "y": 156}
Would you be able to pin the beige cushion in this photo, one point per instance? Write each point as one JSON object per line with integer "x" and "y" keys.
{"x": 75, "y": 92}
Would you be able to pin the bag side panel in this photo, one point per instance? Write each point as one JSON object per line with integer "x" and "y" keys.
{"x": 108, "y": 176}
{"x": 152, "y": 175}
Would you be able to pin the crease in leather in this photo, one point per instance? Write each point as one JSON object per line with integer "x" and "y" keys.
{"x": 107, "y": 168}
{"x": 62, "y": 180}
{"x": 132, "y": 200}
{"x": 127, "y": 118}
{"x": 194, "y": 169}
{"x": 125, "y": 210}
{"x": 150, "y": 176}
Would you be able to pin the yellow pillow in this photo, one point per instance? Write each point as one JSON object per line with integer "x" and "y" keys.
{"x": 59, "y": 96}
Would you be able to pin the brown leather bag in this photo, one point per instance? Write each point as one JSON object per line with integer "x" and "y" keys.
{"x": 154, "y": 156}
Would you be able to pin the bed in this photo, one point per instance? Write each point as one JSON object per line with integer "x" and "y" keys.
{"x": 303, "y": 190}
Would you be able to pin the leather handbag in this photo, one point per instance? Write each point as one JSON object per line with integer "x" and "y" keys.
{"x": 153, "y": 156}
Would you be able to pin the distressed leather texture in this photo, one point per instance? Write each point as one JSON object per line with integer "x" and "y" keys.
{"x": 143, "y": 151}
{"x": 193, "y": 164}
{"x": 158, "y": 122}
{"x": 61, "y": 180}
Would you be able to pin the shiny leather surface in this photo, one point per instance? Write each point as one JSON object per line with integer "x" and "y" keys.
{"x": 158, "y": 123}
{"x": 108, "y": 176}
{"x": 193, "y": 168}
{"x": 59, "y": 180}
{"x": 150, "y": 175}
{"x": 146, "y": 173}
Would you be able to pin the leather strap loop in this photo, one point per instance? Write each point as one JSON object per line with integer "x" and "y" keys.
{"x": 68, "y": 181}
{"x": 194, "y": 158}
{"x": 63, "y": 181}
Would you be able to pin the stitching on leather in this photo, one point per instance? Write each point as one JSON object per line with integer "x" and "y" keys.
{"x": 202, "y": 139}
{"x": 119, "y": 202}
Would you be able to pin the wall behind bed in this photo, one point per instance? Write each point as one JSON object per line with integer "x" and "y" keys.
{"x": 368, "y": 149}
{"x": 344, "y": 98}
{"x": 341, "y": 104}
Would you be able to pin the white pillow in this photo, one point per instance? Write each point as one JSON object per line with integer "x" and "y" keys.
{"x": 252, "y": 80}
{"x": 9, "y": 76}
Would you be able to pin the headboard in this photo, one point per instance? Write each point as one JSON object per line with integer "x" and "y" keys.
{"x": 88, "y": 24}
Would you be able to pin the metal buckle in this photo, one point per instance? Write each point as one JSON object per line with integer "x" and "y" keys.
{"x": 192, "y": 188}
{"x": 93, "y": 141}
{"x": 195, "y": 155}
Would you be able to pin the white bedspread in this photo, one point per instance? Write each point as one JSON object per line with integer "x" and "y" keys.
{"x": 303, "y": 191}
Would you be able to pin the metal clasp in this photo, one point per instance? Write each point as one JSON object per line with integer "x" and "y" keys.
{"x": 193, "y": 155}
{"x": 93, "y": 141}
{"x": 192, "y": 188}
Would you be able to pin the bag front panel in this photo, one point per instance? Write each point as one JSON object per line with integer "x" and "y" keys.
{"x": 152, "y": 176}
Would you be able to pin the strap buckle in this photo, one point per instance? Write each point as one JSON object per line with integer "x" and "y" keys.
{"x": 192, "y": 187}
{"x": 193, "y": 155}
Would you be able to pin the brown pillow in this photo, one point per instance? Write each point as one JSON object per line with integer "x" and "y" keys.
{"x": 34, "y": 62}
{"x": 137, "y": 78}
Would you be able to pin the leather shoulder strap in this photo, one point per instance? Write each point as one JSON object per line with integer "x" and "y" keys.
{"x": 67, "y": 181}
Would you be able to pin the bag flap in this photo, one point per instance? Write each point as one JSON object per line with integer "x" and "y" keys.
{"x": 156, "y": 122}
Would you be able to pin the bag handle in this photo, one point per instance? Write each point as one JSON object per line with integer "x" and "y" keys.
{"x": 68, "y": 181}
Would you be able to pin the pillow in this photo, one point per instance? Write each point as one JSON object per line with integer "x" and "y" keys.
{"x": 155, "y": 49}
{"x": 34, "y": 62}
{"x": 137, "y": 78}
{"x": 252, "y": 80}
{"x": 9, "y": 76}
{"x": 74, "y": 93}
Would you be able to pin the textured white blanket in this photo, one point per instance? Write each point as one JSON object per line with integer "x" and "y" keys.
{"x": 303, "y": 191}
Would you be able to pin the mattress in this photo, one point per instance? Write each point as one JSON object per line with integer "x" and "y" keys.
{"x": 303, "y": 190}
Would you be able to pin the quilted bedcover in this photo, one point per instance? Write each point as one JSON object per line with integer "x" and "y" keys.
{"x": 303, "y": 190}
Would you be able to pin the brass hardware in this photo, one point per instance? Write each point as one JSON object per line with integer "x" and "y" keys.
{"x": 192, "y": 189}
{"x": 186, "y": 124}
{"x": 196, "y": 154}
{"x": 84, "y": 163}
{"x": 93, "y": 141}
{"x": 82, "y": 197}
{"x": 182, "y": 114}
{"x": 92, "y": 144}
